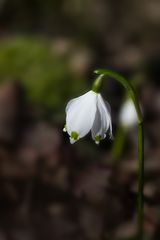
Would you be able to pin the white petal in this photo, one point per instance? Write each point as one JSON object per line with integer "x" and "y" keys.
{"x": 96, "y": 124}
{"x": 64, "y": 129}
{"x": 72, "y": 141}
{"x": 72, "y": 102}
{"x": 81, "y": 114}
{"x": 102, "y": 120}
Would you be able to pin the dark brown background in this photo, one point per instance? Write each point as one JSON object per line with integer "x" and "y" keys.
{"x": 49, "y": 49}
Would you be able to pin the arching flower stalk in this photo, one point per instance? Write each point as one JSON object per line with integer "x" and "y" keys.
{"x": 91, "y": 112}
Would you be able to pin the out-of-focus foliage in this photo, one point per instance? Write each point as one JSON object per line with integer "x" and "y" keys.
{"x": 46, "y": 77}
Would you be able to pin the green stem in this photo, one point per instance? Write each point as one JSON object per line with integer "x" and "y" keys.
{"x": 140, "y": 179}
{"x": 118, "y": 144}
{"x": 132, "y": 94}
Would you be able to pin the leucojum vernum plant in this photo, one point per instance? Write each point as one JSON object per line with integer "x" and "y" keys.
{"x": 90, "y": 112}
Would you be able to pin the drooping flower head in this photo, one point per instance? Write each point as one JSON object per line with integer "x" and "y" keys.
{"x": 88, "y": 112}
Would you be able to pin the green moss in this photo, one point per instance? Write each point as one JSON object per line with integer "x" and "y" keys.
{"x": 44, "y": 75}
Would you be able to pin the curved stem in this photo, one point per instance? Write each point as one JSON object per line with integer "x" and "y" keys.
{"x": 132, "y": 94}
{"x": 126, "y": 84}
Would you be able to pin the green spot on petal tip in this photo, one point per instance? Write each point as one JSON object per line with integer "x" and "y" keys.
{"x": 98, "y": 138}
{"x": 74, "y": 135}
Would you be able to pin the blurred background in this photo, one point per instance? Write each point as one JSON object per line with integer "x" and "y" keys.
{"x": 49, "y": 49}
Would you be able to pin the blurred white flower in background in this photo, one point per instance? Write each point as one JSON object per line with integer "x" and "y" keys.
{"x": 85, "y": 113}
{"x": 128, "y": 115}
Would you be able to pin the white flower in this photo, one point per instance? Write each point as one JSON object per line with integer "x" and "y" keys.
{"x": 128, "y": 115}
{"x": 85, "y": 113}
